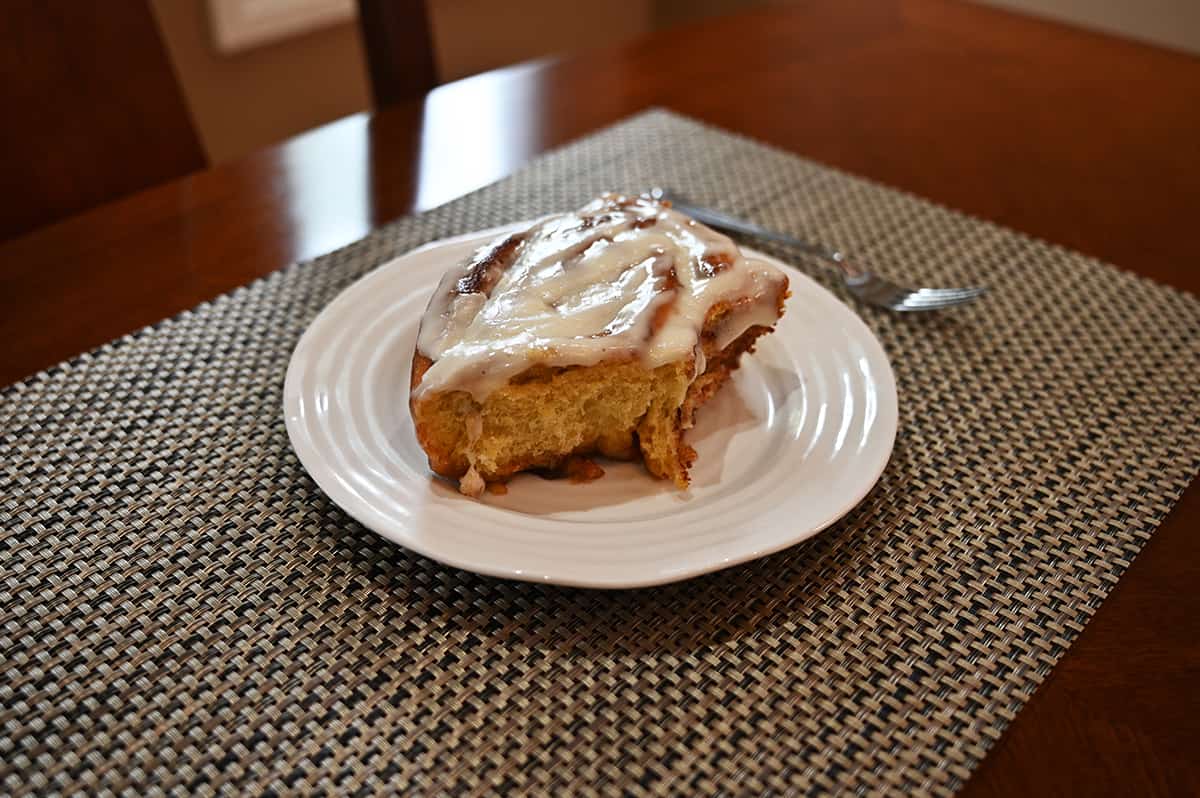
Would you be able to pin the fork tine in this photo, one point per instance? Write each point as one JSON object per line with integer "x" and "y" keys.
{"x": 947, "y": 293}
{"x": 936, "y": 298}
{"x": 933, "y": 305}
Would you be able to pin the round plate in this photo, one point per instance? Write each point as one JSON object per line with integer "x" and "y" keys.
{"x": 792, "y": 443}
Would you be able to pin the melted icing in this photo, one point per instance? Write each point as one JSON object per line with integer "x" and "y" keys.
{"x": 621, "y": 277}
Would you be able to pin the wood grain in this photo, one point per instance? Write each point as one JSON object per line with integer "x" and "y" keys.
{"x": 91, "y": 109}
{"x": 399, "y": 49}
{"x": 1078, "y": 138}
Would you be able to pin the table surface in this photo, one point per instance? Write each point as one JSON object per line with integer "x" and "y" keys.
{"x": 1078, "y": 138}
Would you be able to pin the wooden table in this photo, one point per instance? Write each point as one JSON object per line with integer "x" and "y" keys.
{"x": 1085, "y": 140}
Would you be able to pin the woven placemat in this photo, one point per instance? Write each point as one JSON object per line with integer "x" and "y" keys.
{"x": 182, "y": 611}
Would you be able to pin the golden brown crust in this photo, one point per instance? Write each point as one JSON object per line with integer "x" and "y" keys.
{"x": 420, "y": 365}
{"x": 441, "y": 457}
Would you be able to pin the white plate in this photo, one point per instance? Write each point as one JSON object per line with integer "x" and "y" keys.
{"x": 796, "y": 439}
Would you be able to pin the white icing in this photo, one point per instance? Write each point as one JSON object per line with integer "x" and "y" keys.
{"x": 472, "y": 484}
{"x": 584, "y": 287}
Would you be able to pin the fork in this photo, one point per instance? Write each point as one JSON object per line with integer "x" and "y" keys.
{"x": 866, "y": 285}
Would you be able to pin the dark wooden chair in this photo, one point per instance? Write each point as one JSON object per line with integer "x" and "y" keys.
{"x": 399, "y": 49}
{"x": 92, "y": 110}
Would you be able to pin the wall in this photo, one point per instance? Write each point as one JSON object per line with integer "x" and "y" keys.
{"x": 247, "y": 100}
{"x": 1170, "y": 23}
{"x": 250, "y": 99}
{"x": 471, "y": 36}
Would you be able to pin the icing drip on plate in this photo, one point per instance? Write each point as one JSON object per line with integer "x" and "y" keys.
{"x": 622, "y": 277}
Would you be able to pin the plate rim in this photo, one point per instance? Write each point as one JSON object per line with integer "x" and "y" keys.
{"x": 361, "y": 511}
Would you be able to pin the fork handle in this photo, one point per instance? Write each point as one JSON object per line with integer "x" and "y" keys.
{"x": 732, "y": 224}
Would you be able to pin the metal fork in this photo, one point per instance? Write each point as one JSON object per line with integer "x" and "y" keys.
{"x": 867, "y": 286}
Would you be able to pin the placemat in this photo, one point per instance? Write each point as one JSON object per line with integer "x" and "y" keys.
{"x": 182, "y": 611}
